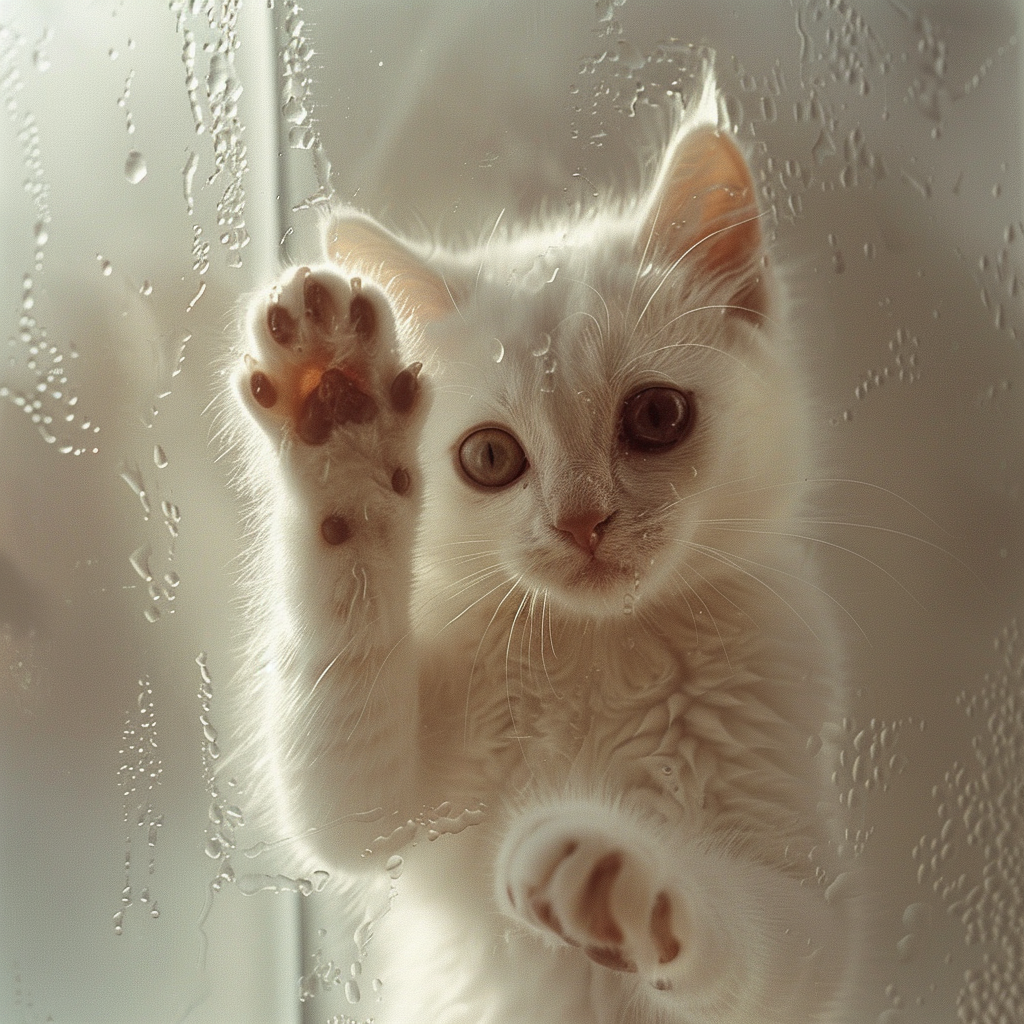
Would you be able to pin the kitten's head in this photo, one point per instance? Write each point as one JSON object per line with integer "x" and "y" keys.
{"x": 609, "y": 391}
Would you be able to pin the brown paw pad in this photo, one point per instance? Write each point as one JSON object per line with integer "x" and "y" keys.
{"x": 263, "y": 390}
{"x": 405, "y": 387}
{"x": 336, "y": 399}
{"x": 335, "y": 530}
{"x": 319, "y": 305}
{"x": 362, "y": 316}
{"x": 400, "y": 481}
{"x": 281, "y": 324}
{"x": 546, "y": 916}
{"x": 667, "y": 944}
{"x": 613, "y": 959}
{"x": 595, "y": 900}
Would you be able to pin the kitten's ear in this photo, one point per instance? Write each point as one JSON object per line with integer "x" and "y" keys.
{"x": 704, "y": 209}
{"x": 359, "y": 243}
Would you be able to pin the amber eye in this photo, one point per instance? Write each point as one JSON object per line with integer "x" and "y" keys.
{"x": 492, "y": 457}
{"x": 656, "y": 418}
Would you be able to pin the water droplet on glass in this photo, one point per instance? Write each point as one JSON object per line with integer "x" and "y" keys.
{"x": 394, "y": 866}
{"x": 146, "y": 288}
{"x": 217, "y": 79}
{"x": 548, "y": 364}
{"x": 294, "y": 111}
{"x": 42, "y": 235}
{"x": 140, "y": 562}
{"x": 352, "y": 993}
{"x": 497, "y": 350}
{"x": 159, "y": 457}
{"x": 628, "y": 55}
{"x": 135, "y": 167}
{"x": 106, "y": 268}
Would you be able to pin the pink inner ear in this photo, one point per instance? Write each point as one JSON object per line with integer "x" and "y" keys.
{"x": 361, "y": 246}
{"x": 707, "y": 211}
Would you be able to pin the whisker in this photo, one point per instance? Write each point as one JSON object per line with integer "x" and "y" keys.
{"x": 676, "y": 262}
{"x": 643, "y": 256}
{"x": 544, "y": 609}
{"x": 813, "y": 586}
{"x": 468, "y": 583}
{"x": 581, "y": 312}
{"x": 724, "y": 524}
{"x": 647, "y": 356}
{"x": 714, "y": 621}
{"x": 607, "y": 315}
{"x": 476, "y": 657}
{"x": 529, "y": 647}
{"x": 447, "y": 288}
{"x": 473, "y": 604}
{"x": 720, "y": 556}
{"x": 487, "y": 246}
{"x": 885, "y": 490}
{"x": 508, "y": 654}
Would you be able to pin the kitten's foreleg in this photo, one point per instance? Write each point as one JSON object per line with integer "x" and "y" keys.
{"x": 323, "y": 377}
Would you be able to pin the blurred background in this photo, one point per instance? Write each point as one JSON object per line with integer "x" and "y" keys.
{"x": 159, "y": 161}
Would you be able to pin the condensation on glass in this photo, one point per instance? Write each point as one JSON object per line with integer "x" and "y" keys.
{"x": 159, "y": 162}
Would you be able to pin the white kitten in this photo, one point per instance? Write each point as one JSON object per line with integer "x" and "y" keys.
{"x": 526, "y": 562}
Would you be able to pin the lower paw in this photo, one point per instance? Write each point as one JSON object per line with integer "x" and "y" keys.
{"x": 591, "y": 888}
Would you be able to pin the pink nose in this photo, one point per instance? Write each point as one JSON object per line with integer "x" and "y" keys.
{"x": 586, "y": 529}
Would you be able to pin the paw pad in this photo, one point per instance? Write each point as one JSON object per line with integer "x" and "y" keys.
{"x": 263, "y": 389}
{"x": 362, "y": 316}
{"x": 281, "y": 324}
{"x": 335, "y": 530}
{"x": 667, "y": 944}
{"x": 319, "y": 305}
{"x": 594, "y": 892}
{"x": 335, "y": 400}
{"x": 595, "y": 899}
{"x": 400, "y": 481}
{"x": 405, "y": 387}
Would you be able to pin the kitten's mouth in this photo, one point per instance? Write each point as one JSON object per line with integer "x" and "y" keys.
{"x": 595, "y": 577}
{"x": 601, "y": 583}
{"x": 598, "y": 572}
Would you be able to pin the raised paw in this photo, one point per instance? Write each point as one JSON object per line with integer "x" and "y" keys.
{"x": 598, "y": 891}
{"x": 322, "y": 353}
{"x": 324, "y": 376}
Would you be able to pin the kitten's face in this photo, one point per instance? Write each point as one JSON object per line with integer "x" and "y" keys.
{"x": 616, "y": 422}
{"x": 594, "y": 463}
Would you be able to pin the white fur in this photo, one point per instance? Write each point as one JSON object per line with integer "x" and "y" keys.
{"x": 458, "y": 666}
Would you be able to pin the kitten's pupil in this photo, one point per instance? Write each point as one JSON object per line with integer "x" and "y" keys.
{"x": 655, "y": 419}
{"x": 492, "y": 457}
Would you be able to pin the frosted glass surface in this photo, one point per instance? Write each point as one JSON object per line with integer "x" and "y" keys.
{"x": 159, "y": 162}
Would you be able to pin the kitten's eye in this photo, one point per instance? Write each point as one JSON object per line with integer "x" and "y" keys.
{"x": 656, "y": 418}
{"x": 492, "y": 457}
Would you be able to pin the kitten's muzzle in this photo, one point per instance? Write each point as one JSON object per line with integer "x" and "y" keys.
{"x": 584, "y": 529}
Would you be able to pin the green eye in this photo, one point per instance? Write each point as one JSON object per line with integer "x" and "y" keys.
{"x": 492, "y": 457}
{"x": 655, "y": 419}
